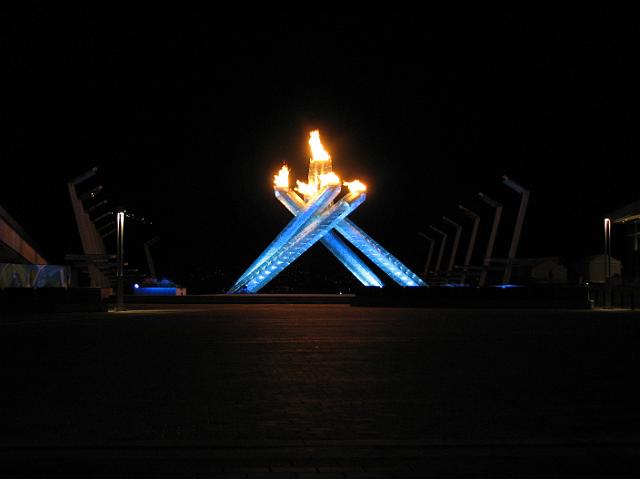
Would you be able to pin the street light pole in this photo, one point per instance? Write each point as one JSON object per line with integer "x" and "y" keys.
{"x": 472, "y": 239}
{"x": 492, "y": 236}
{"x": 607, "y": 249}
{"x": 518, "y": 227}
{"x": 456, "y": 241}
{"x": 442, "y": 245}
{"x": 427, "y": 263}
{"x": 120, "y": 260}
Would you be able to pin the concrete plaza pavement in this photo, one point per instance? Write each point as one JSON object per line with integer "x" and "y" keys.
{"x": 320, "y": 391}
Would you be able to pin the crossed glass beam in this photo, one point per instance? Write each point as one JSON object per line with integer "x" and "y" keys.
{"x": 315, "y": 220}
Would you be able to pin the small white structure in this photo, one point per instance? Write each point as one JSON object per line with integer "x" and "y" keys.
{"x": 540, "y": 270}
{"x": 592, "y": 268}
{"x": 548, "y": 270}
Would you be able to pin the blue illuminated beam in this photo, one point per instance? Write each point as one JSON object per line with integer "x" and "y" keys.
{"x": 378, "y": 255}
{"x": 302, "y": 241}
{"x": 332, "y": 242}
{"x": 307, "y": 214}
{"x": 382, "y": 258}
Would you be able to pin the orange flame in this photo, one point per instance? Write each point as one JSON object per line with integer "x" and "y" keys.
{"x": 355, "y": 186}
{"x": 318, "y": 153}
{"x": 329, "y": 179}
{"x": 305, "y": 189}
{"x": 281, "y": 180}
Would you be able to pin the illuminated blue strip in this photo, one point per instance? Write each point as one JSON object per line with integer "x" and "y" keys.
{"x": 302, "y": 241}
{"x": 378, "y": 255}
{"x": 155, "y": 291}
{"x": 317, "y": 203}
{"x": 367, "y": 245}
{"x": 338, "y": 248}
{"x": 348, "y": 258}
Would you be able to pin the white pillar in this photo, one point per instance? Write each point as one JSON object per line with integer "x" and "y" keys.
{"x": 472, "y": 239}
{"x": 492, "y": 236}
{"x": 120, "y": 260}
{"x": 518, "y": 226}
{"x": 442, "y": 245}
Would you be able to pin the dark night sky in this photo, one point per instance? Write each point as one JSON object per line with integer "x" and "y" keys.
{"x": 189, "y": 114}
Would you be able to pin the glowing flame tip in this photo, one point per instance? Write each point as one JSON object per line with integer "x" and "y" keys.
{"x": 318, "y": 153}
{"x": 355, "y": 186}
{"x": 305, "y": 189}
{"x": 329, "y": 179}
{"x": 281, "y": 180}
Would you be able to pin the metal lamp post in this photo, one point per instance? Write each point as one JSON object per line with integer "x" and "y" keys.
{"x": 442, "y": 245}
{"x": 492, "y": 236}
{"x": 427, "y": 263}
{"x": 456, "y": 241}
{"x": 607, "y": 249}
{"x": 120, "y": 261}
{"x": 518, "y": 227}
{"x": 472, "y": 239}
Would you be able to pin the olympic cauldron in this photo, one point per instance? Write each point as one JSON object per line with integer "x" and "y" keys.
{"x": 320, "y": 216}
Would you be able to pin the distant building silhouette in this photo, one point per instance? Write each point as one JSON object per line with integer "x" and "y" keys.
{"x": 591, "y": 269}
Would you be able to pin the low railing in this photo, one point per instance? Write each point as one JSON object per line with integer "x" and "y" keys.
{"x": 615, "y": 296}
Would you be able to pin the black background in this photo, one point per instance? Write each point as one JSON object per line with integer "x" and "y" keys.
{"x": 189, "y": 113}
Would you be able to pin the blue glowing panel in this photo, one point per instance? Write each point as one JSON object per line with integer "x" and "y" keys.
{"x": 314, "y": 221}
{"x": 368, "y": 246}
{"x": 378, "y": 255}
{"x": 154, "y": 291}
{"x": 307, "y": 214}
{"x": 348, "y": 258}
{"x": 302, "y": 241}
{"x": 334, "y": 244}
